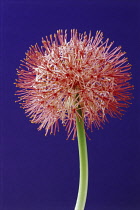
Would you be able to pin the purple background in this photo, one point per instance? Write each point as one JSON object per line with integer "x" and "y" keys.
{"x": 41, "y": 173}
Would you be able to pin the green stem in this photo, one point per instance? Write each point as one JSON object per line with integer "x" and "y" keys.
{"x": 83, "y": 160}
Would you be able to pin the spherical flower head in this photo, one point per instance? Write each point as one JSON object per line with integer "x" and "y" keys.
{"x": 61, "y": 77}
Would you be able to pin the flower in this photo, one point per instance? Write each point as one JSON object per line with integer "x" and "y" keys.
{"x": 61, "y": 77}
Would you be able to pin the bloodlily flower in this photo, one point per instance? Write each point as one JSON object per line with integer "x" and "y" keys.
{"x": 60, "y": 76}
{"x": 78, "y": 82}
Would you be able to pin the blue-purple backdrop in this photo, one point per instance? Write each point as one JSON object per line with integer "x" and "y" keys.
{"x": 41, "y": 173}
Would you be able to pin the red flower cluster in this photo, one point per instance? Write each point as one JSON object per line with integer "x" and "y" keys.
{"x": 60, "y": 77}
